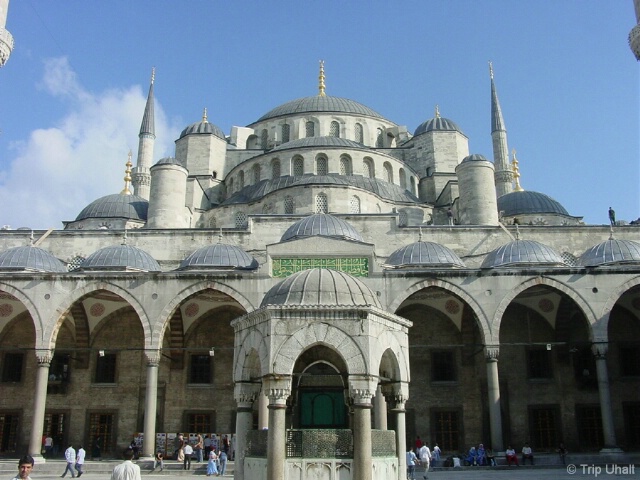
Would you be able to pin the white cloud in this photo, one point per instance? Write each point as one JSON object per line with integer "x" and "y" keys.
{"x": 61, "y": 168}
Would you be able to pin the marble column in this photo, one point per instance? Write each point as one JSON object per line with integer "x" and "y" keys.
{"x": 600, "y": 349}
{"x": 493, "y": 388}
{"x": 39, "y": 403}
{"x": 151, "y": 403}
{"x": 263, "y": 411}
{"x": 361, "y": 391}
{"x": 396, "y": 395}
{"x": 380, "y": 410}
{"x": 278, "y": 391}
{"x": 245, "y": 394}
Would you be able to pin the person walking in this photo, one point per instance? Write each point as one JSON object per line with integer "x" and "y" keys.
{"x": 127, "y": 470}
{"x": 412, "y": 460}
{"x": 80, "y": 460}
{"x": 212, "y": 465}
{"x": 70, "y": 457}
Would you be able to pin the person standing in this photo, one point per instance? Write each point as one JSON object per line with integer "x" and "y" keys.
{"x": 212, "y": 465}
{"x": 412, "y": 460}
{"x": 96, "y": 448}
{"x": 612, "y": 216}
{"x": 198, "y": 448}
{"x": 188, "y": 451}
{"x": 48, "y": 445}
{"x": 25, "y": 466}
{"x": 127, "y": 470}
{"x": 435, "y": 455}
{"x": 80, "y": 460}
{"x": 425, "y": 457}
{"x": 222, "y": 458}
{"x": 70, "y": 457}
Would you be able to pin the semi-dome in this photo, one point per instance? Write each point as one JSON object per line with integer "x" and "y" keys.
{"x": 528, "y": 202}
{"x": 424, "y": 255}
{"x": 320, "y": 103}
{"x": 30, "y": 259}
{"x": 476, "y": 157}
{"x": 611, "y": 252}
{"x": 120, "y": 257}
{"x": 323, "y": 142}
{"x": 523, "y": 253}
{"x": 219, "y": 256}
{"x": 437, "y": 124}
{"x": 203, "y": 127}
{"x": 117, "y": 205}
{"x": 319, "y": 286}
{"x": 321, "y": 224}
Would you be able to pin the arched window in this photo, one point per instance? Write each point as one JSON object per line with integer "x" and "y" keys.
{"x": 368, "y": 169}
{"x": 322, "y": 166}
{"x": 354, "y": 204}
{"x": 413, "y": 185}
{"x": 403, "y": 178}
{"x": 256, "y": 174}
{"x": 379, "y": 139}
{"x": 213, "y": 223}
{"x": 345, "y": 165}
{"x": 359, "y": 133}
{"x": 298, "y": 167}
{"x": 214, "y": 174}
{"x": 322, "y": 205}
{"x": 286, "y": 132}
{"x": 241, "y": 220}
{"x": 264, "y": 139}
{"x": 230, "y": 186}
{"x": 334, "y": 129}
{"x": 241, "y": 179}
{"x": 275, "y": 168}
{"x": 388, "y": 172}
{"x": 391, "y": 140}
{"x": 288, "y": 204}
{"x": 310, "y": 129}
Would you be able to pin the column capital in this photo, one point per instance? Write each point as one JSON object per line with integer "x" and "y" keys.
{"x": 396, "y": 394}
{"x": 600, "y": 349}
{"x": 44, "y": 356}
{"x": 245, "y": 393}
{"x": 362, "y": 388}
{"x": 277, "y": 389}
{"x": 491, "y": 353}
{"x": 153, "y": 357}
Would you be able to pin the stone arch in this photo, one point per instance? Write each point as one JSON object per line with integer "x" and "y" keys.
{"x": 252, "y": 343}
{"x": 601, "y": 325}
{"x": 160, "y": 325}
{"x": 57, "y": 317}
{"x": 532, "y": 282}
{"x": 320, "y": 334}
{"x": 483, "y": 321}
{"x": 392, "y": 352}
{"x": 33, "y": 311}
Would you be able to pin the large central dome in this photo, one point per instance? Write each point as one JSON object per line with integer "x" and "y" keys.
{"x": 319, "y": 103}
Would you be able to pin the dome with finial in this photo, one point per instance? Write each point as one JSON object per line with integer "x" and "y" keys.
{"x": 120, "y": 258}
{"x": 219, "y": 256}
{"x": 522, "y": 254}
{"x": 29, "y": 258}
{"x": 611, "y": 252}
{"x": 437, "y": 124}
{"x": 204, "y": 127}
{"x": 323, "y": 225}
{"x": 423, "y": 254}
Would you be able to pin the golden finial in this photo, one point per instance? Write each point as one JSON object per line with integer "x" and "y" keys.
{"x": 153, "y": 74}
{"x": 124, "y": 237}
{"x": 220, "y": 236}
{"x": 204, "y": 115}
{"x": 437, "y": 111}
{"x": 127, "y": 177}
{"x": 490, "y": 69}
{"x": 321, "y": 79}
{"x": 420, "y": 235}
{"x": 32, "y": 240}
{"x": 516, "y": 172}
{"x": 517, "y": 232}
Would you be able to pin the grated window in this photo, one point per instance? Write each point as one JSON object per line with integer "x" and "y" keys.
{"x": 322, "y": 167}
{"x": 275, "y": 169}
{"x": 345, "y": 166}
{"x": 322, "y": 205}
{"x": 379, "y": 139}
{"x": 403, "y": 179}
{"x": 288, "y": 204}
{"x": 359, "y": 133}
{"x": 310, "y": 129}
{"x": 264, "y": 139}
{"x": 298, "y": 167}
{"x": 334, "y": 129}
{"x": 367, "y": 167}
{"x": 354, "y": 204}
{"x": 286, "y": 132}
{"x": 388, "y": 172}
{"x": 241, "y": 220}
{"x": 74, "y": 263}
{"x": 256, "y": 173}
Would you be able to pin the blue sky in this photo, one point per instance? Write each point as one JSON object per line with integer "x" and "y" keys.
{"x": 72, "y": 94}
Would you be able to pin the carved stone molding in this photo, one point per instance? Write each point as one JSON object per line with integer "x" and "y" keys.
{"x": 277, "y": 389}
{"x": 153, "y": 357}
{"x": 600, "y": 349}
{"x": 44, "y": 357}
{"x": 491, "y": 352}
{"x": 245, "y": 393}
{"x": 396, "y": 394}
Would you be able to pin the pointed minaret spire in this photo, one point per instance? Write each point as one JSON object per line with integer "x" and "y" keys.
{"x": 127, "y": 176}
{"x": 321, "y": 85}
{"x": 141, "y": 178}
{"x": 503, "y": 174}
{"x": 516, "y": 172}
{"x": 204, "y": 116}
{"x": 6, "y": 39}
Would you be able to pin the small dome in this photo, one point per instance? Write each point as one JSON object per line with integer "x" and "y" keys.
{"x": 611, "y": 252}
{"x": 321, "y": 224}
{"x": 437, "y": 124}
{"x": 320, "y": 104}
{"x": 169, "y": 161}
{"x": 476, "y": 157}
{"x": 116, "y": 206}
{"x": 320, "y": 286}
{"x": 527, "y": 202}
{"x": 523, "y": 253}
{"x": 203, "y": 128}
{"x": 426, "y": 255}
{"x": 31, "y": 259}
{"x": 219, "y": 256}
{"x": 319, "y": 142}
{"x": 120, "y": 257}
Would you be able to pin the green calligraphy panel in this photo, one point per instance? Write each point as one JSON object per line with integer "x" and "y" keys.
{"x": 356, "y": 266}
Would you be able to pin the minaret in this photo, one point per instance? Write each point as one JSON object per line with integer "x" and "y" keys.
{"x": 634, "y": 35}
{"x": 503, "y": 173}
{"x": 141, "y": 178}
{"x": 321, "y": 86}
{"x": 6, "y": 39}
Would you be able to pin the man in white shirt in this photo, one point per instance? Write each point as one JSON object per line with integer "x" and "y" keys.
{"x": 188, "y": 451}
{"x": 25, "y": 465}
{"x": 127, "y": 470}
{"x": 70, "y": 457}
{"x": 425, "y": 457}
{"x": 80, "y": 460}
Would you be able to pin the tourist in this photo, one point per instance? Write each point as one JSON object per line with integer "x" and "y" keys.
{"x": 127, "y": 470}
{"x": 25, "y": 466}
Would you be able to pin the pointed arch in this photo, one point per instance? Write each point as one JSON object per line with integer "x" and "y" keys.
{"x": 34, "y": 313}
{"x": 601, "y": 325}
{"x": 252, "y": 344}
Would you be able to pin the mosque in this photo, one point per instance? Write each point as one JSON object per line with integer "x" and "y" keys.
{"x": 323, "y": 285}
